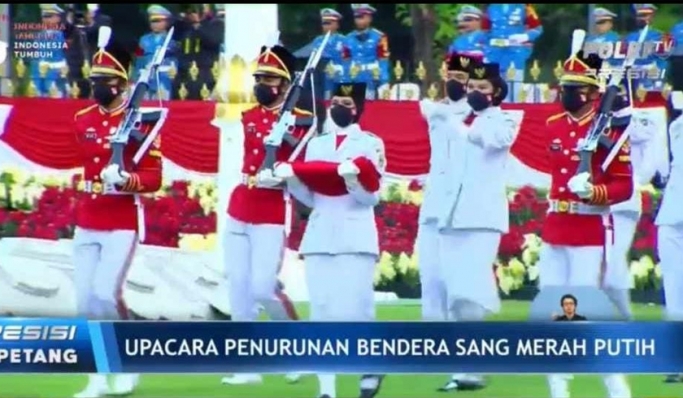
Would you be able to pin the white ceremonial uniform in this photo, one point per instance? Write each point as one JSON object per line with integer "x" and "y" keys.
{"x": 441, "y": 118}
{"x": 625, "y": 215}
{"x": 341, "y": 245}
{"x": 670, "y": 227}
{"x": 473, "y": 213}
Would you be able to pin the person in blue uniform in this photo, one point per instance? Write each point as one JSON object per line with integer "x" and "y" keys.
{"x": 160, "y": 21}
{"x": 49, "y": 72}
{"x": 644, "y": 16}
{"x": 602, "y": 30}
{"x": 366, "y": 50}
{"x": 676, "y": 59}
{"x": 471, "y": 38}
{"x": 512, "y": 30}
{"x": 335, "y": 69}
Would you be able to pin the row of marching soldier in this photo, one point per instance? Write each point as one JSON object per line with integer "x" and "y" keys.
{"x": 338, "y": 176}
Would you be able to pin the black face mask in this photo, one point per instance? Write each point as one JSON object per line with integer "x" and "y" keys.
{"x": 105, "y": 94}
{"x": 478, "y": 100}
{"x": 455, "y": 90}
{"x": 640, "y": 23}
{"x": 573, "y": 100}
{"x": 341, "y": 116}
{"x": 266, "y": 95}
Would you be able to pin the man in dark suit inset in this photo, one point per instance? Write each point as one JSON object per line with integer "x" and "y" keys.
{"x": 569, "y": 303}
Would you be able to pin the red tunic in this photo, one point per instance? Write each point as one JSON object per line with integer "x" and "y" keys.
{"x": 261, "y": 205}
{"x": 610, "y": 187}
{"x": 96, "y": 209}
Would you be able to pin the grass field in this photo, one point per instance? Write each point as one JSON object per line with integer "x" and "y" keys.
{"x": 398, "y": 386}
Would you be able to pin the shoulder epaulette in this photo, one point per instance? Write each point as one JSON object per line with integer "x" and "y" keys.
{"x": 84, "y": 111}
{"x": 555, "y": 117}
{"x": 302, "y": 112}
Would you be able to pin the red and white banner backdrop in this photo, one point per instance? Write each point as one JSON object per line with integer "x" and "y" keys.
{"x": 38, "y": 133}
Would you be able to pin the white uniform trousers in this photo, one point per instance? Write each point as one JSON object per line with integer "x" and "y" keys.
{"x": 253, "y": 258}
{"x": 433, "y": 288}
{"x": 670, "y": 249}
{"x": 576, "y": 266}
{"x": 618, "y": 281}
{"x": 466, "y": 267}
{"x": 340, "y": 288}
{"x": 101, "y": 263}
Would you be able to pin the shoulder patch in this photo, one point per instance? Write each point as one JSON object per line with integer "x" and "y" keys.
{"x": 555, "y": 117}
{"x": 84, "y": 111}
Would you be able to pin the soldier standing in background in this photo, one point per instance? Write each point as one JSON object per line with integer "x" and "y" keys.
{"x": 109, "y": 216}
{"x": 644, "y": 16}
{"x": 199, "y": 36}
{"x": 574, "y": 231}
{"x": 160, "y": 21}
{"x": 602, "y": 31}
{"x": 336, "y": 68}
{"x": 471, "y": 39}
{"x": 255, "y": 232}
{"x": 366, "y": 50}
{"x": 676, "y": 58}
{"x": 49, "y": 73}
{"x": 512, "y": 31}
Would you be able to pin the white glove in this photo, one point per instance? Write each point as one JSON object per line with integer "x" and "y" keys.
{"x": 518, "y": 38}
{"x": 284, "y": 171}
{"x": 113, "y": 174}
{"x": 580, "y": 185}
{"x": 265, "y": 178}
{"x": 348, "y": 169}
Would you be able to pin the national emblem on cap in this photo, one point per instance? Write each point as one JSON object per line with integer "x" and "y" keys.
{"x": 580, "y": 70}
{"x": 459, "y": 62}
{"x": 356, "y": 91}
{"x": 275, "y": 61}
{"x": 644, "y": 9}
{"x": 603, "y": 14}
{"x": 362, "y": 9}
{"x": 328, "y": 14}
{"x": 482, "y": 71}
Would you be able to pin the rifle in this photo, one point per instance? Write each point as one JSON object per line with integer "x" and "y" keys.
{"x": 133, "y": 117}
{"x": 603, "y": 121}
{"x": 285, "y": 124}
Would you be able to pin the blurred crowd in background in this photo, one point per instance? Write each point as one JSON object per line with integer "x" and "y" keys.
{"x": 501, "y": 33}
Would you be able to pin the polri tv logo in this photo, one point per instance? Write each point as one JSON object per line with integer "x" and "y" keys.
{"x": 622, "y": 50}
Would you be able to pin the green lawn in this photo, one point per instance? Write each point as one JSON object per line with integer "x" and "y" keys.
{"x": 403, "y": 386}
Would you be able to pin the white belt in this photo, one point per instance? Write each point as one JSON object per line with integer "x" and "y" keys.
{"x": 371, "y": 66}
{"x": 103, "y": 189}
{"x": 499, "y": 42}
{"x": 55, "y": 65}
{"x": 571, "y": 207}
{"x": 251, "y": 182}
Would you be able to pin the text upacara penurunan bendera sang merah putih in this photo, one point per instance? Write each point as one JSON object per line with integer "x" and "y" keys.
{"x": 533, "y": 347}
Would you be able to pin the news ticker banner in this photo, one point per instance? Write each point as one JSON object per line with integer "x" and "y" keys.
{"x": 79, "y": 346}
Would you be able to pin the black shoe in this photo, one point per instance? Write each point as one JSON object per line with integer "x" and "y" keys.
{"x": 674, "y": 378}
{"x": 324, "y": 396}
{"x": 371, "y": 392}
{"x": 462, "y": 385}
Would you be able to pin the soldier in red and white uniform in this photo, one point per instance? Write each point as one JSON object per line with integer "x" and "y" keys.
{"x": 574, "y": 234}
{"x": 255, "y": 232}
{"x": 109, "y": 218}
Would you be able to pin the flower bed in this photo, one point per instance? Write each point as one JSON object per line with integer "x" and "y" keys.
{"x": 184, "y": 215}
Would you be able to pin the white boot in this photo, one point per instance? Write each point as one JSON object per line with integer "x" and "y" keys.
{"x": 97, "y": 387}
{"x": 242, "y": 378}
{"x": 124, "y": 384}
{"x": 559, "y": 385}
{"x": 617, "y": 386}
